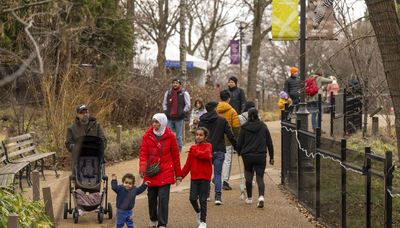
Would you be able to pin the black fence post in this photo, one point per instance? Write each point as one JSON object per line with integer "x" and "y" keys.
{"x": 299, "y": 160}
{"x": 367, "y": 170}
{"x": 388, "y": 186}
{"x": 332, "y": 111}
{"x": 283, "y": 150}
{"x": 320, "y": 113}
{"x": 344, "y": 112}
{"x": 343, "y": 203}
{"x": 317, "y": 174}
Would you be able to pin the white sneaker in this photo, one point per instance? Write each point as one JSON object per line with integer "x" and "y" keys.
{"x": 198, "y": 218}
{"x": 208, "y": 199}
{"x": 153, "y": 223}
{"x": 249, "y": 200}
{"x": 260, "y": 203}
{"x": 203, "y": 225}
{"x": 218, "y": 202}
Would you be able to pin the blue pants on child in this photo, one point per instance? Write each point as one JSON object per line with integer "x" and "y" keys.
{"x": 124, "y": 216}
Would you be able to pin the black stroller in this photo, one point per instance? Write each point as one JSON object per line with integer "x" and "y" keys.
{"x": 85, "y": 182}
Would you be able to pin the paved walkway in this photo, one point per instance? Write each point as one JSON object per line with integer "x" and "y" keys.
{"x": 278, "y": 211}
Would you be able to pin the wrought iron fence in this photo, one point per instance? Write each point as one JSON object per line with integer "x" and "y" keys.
{"x": 344, "y": 189}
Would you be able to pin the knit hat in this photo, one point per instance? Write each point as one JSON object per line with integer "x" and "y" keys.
{"x": 283, "y": 95}
{"x": 210, "y": 106}
{"x": 234, "y": 79}
{"x": 293, "y": 70}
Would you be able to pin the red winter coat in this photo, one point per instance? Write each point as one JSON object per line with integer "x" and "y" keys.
{"x": 199, "y": 162}
{"x": 170, "y": 166}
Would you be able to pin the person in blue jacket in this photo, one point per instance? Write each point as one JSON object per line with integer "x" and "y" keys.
{"x": 126, "y": 196}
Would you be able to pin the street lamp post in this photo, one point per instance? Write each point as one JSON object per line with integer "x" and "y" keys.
{"x": 241, "y": 26}
{"x": 302, "y": 112}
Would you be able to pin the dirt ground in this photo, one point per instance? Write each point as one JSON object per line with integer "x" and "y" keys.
{"x": 279, "y": 211}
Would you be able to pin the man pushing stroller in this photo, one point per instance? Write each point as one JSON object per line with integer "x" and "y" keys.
{"x": 84, "y": 125}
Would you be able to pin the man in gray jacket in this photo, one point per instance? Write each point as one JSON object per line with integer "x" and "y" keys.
{"x": 84, "y": 125}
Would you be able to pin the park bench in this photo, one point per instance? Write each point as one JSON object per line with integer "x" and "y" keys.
{"x": 22, "y": 149}
{"x": 8, "y": 171}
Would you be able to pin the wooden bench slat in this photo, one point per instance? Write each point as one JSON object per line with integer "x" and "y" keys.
{"x": 6, "y": 179}
{"x": 22, "y": 151}
{"x": 15, "y": 146}
{"x": 34, "y": 157}
{"x": 18, "y": 138}
{"x": 13, "y": 167}
{"x": 3, "y": 156}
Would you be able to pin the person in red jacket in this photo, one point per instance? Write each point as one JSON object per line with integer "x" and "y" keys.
{"x": 199, "y": 164}
{"x": 159, "y": 145}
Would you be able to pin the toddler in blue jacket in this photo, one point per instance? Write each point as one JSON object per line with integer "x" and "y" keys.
{"x": 126, "y": 195}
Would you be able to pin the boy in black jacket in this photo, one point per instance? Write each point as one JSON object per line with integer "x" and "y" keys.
{"x": 218, "y": 127}
{"x": 254, "y": 139}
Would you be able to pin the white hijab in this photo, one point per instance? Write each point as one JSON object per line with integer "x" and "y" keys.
{"x": 163, "y": 120}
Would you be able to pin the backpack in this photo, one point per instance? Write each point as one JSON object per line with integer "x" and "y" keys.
{"x": 311, "y": 86}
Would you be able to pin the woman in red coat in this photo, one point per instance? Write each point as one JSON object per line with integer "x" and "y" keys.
{"x": 159, "y": 145}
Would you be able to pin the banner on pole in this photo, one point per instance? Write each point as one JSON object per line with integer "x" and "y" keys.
{"x": 320, "y": 21}
{"x": 285, "y": 19}
{"x": 235, "y": 51}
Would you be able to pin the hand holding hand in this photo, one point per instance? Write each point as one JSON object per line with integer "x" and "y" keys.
{"x": 271, "y": 161}
{"x": 147, "y": 182}
{"x": 141, "y": 174}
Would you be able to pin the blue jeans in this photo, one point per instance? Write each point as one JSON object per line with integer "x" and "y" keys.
{"x": 177, "y": 127}
{"x": 218, "y": 160}
{"x": 313, "y": 108}
{"x": 124, "y": 216}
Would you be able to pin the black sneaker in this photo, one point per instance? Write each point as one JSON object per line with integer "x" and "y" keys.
{"x": 225, "y": 186}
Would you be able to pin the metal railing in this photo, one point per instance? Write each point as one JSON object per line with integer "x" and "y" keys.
{"x": 324, "y": 185}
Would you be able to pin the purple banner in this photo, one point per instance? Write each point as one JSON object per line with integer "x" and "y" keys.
{"x": 235, "y": 53}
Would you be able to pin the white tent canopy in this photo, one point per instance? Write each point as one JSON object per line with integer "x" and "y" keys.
{"x": 172, "y": 56}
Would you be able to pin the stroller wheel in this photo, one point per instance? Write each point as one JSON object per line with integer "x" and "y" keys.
{"x": 75, "y": 215}
{"x": 109, "y": 211}
{"x": 65, "y": 210}
{"x": 100, "y": 215}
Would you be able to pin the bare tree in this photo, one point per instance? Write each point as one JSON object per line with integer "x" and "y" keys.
{"x": 385, "y": 21}
{"x": 158, "y": 20}
{"x": 258, "y": 9}
{"x": 206, "y": 26}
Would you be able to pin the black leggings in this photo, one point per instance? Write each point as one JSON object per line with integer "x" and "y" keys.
{"x": 257, "y": 164}
{"x": 199, "y": 191}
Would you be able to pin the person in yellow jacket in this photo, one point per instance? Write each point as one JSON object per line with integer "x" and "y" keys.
{"x": 284, "y": 98}
{"x": 225, "y": 110}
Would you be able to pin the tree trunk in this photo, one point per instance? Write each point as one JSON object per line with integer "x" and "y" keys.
{"x": 162, "y": 38}
{"x": 182, "y": 41}
{"x": 160, "y": 69}
{"x": 385, "y": 22}
{"x": 255, "y": 50}
{"x": 131, "y": 17}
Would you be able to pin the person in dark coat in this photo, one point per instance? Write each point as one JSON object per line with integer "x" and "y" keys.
{"x": 254, "y": 139}
{"x": 292, "y": 86}
{"x": 238, "y": 97}
{"x": 218, "y": 128}
{"x": 84, "y": 125}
